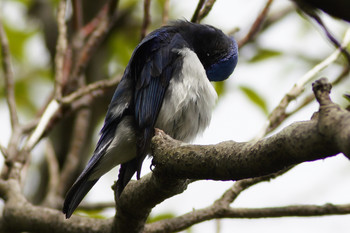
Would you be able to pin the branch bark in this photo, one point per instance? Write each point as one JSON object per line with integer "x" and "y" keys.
{"x": 9, "y": 79}
{"x": 176, "y": 163}
{"x": 19, "y": 215}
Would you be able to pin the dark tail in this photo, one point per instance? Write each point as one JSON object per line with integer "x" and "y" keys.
{"x": 76, "y": 193}
{"x": 126, "y": 171}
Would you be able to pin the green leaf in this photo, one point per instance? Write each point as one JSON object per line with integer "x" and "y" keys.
{"x": 263, "y": 54}
{"x": 92, "y": 213}
{"x": 219, "y": 88}
{"x": 255, "y": 98}
{"x": 122, "y": 45}
{"x": 17, "y": 40}
{"x": 160, "y": 217}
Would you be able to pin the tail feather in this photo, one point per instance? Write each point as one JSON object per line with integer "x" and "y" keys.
{"x": 76, "y": 194}
{"x": 126, "y": 171}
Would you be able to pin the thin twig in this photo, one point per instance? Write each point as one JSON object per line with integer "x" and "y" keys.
{"x": 9, "y": 79}
{"x": 196, "y": 12}
{"x": 49, "y": 113}
{"x": 257, "y": 25}
{"x": 78, "y": 142}
{"x": 89, "y": 89}
{"x": 279, "y": 113}
{"x": 61, "y": 49}
{"x": 197, "y": 216}
{"x": 77, "y": 14}
{"x": 100, "y": 26}
{"x": 314, "y": 14}
{"x": 53, "y": 107}
{"x": 239, "y": 186}
{"x": 54, "y": 181}
{"x": 202, "y": 10}
{"x": 205, "y": 11}
{"x": 146, "y": 18}
{"x": 308, "y": 99}
{"x": 3, "y": 150}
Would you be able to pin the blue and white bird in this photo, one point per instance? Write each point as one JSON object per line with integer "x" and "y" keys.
{"x": 166, "y": 85}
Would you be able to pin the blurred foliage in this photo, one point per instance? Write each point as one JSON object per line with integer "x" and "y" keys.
{"x": 18, "y": 40}
{"x": 220, "y": 88}
{"x": 255, "y": 98}
{"x": 164, "y": 216}
{"x": 159, "y": 217}
{"x": 91, "y": 213}
{"x": 263, "y": 54}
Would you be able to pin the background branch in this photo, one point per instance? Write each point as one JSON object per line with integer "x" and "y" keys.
{"x": 40, "y": 219}
{"x": 195, "y": 17}
{"x": 257, "y": 25}
{"x": 8, "y": 75}
{"x": 279, "y": 113}
{"x": 61, "y": 48}
{"x": 215, "y": 212}
{"x": 146, "y": 18}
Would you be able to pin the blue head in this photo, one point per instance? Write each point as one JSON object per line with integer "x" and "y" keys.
{"x": 217, "y": 52}
{"x": 224, "y": 67}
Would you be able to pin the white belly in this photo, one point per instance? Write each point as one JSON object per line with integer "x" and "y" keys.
{"x": 189, "y": 101}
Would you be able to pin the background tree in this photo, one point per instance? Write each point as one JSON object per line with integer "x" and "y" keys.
{"x": 56, "y": 104}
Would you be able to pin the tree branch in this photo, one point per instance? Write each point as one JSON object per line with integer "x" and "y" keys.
{"x": 279, "y": 113}
{"x": 61, "y": 49}
{"x": 308, "y": 99}
{"x": 202, "y": 10}
{"x": 50, "y": 199}
{"x": 256, "y": 25}
{"x": 90, "y": 89}
{"x": 318, "y": 138}
{"x": 205, "y": 11}
{"x": 325, "y": 135}
{"x": 195, "y": 16}
{"x": 146, "y": 18}
{"x": 215, "y": 212}
{"x": 9, "y": 79}
{"x": 138, "y": 199}
{"x": 3, "y": 150}
{"x": 101, "y": 25}
{"x": 78, "y": 14}
{"x": 78, "y": 141}
{"x": 19, "y": 215}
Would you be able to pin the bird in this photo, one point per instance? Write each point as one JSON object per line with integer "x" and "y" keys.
{"x": 166, "y": 85}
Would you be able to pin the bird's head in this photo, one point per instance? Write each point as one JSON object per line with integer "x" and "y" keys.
{"x": 217, "y": 52}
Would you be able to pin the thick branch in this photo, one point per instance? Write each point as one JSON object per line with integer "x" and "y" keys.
{"x": 138, "y": 199}
{"x": 189, "y": 219}
{"x": 19, "y": 215}
{"x": 233, "y": 161}
{"x": 318, "y": 138}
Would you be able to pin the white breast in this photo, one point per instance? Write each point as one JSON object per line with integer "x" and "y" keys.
{"x": 189, "y": 101}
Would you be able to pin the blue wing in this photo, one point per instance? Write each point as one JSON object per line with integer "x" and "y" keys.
{"x": 154, "y": 64}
